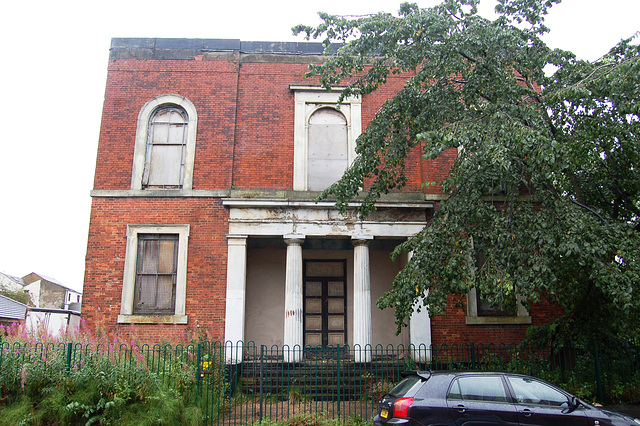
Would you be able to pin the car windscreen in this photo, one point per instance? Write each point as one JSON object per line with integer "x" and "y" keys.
{"x": 407, "y": 387}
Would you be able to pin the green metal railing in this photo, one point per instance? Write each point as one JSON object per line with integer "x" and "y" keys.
{"x": 341, "y": 382}
{"x": 244, "y": 383}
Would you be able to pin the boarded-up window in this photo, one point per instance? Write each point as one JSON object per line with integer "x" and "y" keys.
{"x": 328, "y": 148}
{"x": 156, "y": 268}
{"x": 166, "y": 148}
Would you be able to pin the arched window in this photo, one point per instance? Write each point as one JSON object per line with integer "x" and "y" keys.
{"x": 166, "y": 148}
{"x": 328, "y": 155}
{"x": 165, "y": 144}
{"x": 324, "y": 136}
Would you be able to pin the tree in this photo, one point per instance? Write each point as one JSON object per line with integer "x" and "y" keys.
{"x": 546, "y": 184}
{"x": 18, "y": 295}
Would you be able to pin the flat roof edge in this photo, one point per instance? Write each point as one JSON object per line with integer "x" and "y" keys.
{"x": 185, "y": 47}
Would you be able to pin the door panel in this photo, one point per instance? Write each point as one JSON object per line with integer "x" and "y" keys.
{"x": 313, "y": 306}
{"x": 314, "y": 288}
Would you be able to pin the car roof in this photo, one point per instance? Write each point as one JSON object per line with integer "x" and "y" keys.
{"x": 426, "y": 374}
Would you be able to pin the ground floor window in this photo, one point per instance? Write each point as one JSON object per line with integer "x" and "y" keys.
{"x": 156, "y": 273}
{"x": 155, "y": 276}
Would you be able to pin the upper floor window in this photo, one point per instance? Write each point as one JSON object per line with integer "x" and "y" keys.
{"x": 324, "y": 136}
{"x": 166, "y": 148}
{"x": 328, "y": 155}
{"x": 165, "y": 144}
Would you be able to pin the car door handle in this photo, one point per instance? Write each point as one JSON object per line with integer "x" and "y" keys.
{"x": 527, "y": 413}
{"x": 461, "y": 408}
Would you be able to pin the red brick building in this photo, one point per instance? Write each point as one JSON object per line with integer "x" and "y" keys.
{"x": 211, "y": 155}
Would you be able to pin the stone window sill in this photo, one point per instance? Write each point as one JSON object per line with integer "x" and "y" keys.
{"x": 520, "y": 320}
{"x": 152, "y": 319}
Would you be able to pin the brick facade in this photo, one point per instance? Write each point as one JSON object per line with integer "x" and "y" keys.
{"x": 244, "y": 149}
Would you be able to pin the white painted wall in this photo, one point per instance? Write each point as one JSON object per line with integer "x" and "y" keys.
{"x": 264, "y": 322}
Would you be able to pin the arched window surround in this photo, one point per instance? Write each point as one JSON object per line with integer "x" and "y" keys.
{"x": 142, "y": 132}
{"x": 309, "y": 99}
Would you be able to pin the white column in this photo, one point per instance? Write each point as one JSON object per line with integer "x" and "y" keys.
{"x": 293, "y": 325}
{"x": 361, "y": 299}
{"x": 236, "y": 297}
{"x": 420, "y": 332}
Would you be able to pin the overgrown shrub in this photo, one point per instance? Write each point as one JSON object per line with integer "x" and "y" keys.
{"x": 43, "y": 381}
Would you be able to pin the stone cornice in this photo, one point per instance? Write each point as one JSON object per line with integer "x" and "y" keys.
{"x": 274, "y": 198}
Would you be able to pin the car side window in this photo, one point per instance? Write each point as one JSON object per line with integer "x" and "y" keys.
{"x": 478, "y": 388}
{"x": 528, "y": 391}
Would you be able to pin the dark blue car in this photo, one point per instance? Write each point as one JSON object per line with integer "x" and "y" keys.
{"x": 487, "y": 398}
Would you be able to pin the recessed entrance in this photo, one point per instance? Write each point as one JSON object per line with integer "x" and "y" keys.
{"x": 325, "y": 302}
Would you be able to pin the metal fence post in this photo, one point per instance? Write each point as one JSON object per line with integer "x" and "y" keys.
{"x": 69, "y": 349}
{"x": 198, "y": 381}
{"x": 338, "y": 374}
{"x": 262, "y": 348}
{"x": 473, "y": 357}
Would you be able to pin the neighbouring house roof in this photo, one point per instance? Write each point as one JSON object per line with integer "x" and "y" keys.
{"x": 33, "y": 277}
{"x": 15, "y": 280}
{"x": 11, "y": 309}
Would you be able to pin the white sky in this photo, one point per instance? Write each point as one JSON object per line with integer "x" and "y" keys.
{"x": 53, "y": 72}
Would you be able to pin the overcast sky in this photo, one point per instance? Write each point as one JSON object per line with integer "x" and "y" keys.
{"x": 53, "y": 73}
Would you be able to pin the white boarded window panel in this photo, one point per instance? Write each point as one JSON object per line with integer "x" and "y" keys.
{"x": 166, "y": 149}
{"x": 328, "y": 148}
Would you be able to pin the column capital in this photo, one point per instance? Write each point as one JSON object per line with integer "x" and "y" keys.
{"x": 236, "y": 240}
{"x": 360, "y": 240}
{"x": 293, "y": 239}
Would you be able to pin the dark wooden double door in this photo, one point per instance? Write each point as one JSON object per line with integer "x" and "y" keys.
{"x": 325, "y": 303}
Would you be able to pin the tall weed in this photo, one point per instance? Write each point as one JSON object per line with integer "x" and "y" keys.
{"x": 86, "y": 380}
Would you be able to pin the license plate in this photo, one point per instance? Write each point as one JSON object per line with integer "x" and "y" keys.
{"x": 384, "y": 413}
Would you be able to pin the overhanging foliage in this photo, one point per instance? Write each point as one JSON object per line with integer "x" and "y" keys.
{"x": 546, "y": 184}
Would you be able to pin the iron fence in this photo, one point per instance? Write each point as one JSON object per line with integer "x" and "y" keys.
{"x": 244, "y": 383}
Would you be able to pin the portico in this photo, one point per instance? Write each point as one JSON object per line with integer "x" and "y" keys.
{"x": 299, "y": 246}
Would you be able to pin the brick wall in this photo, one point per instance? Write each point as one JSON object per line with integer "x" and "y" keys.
{"x": 210, "y": 85}
{"x": 451, "y": 327}
{"x": 206, "y": 268}
{"x": 244, "y": 141}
